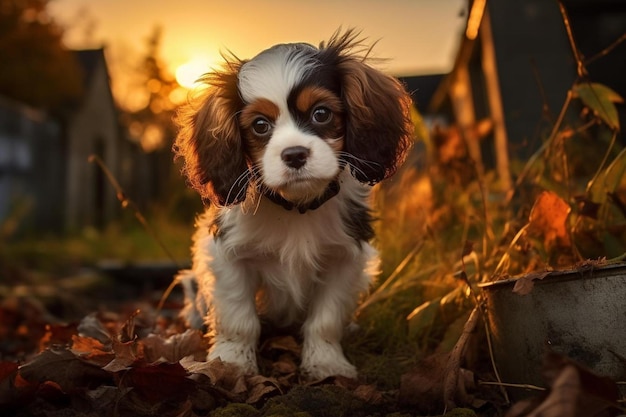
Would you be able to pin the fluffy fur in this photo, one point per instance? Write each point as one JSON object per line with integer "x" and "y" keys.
{"x": 283, "y": 149}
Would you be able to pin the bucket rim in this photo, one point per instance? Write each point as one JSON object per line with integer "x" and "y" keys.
{"x": 585, "y": 271}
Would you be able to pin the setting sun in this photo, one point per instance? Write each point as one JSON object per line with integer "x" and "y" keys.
{"x": 187, "y": 74}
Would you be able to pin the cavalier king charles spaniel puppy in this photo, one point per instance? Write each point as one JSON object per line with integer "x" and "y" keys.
{"x": 283, "y": 149}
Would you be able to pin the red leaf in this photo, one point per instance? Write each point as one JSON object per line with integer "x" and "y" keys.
{"x": 7, "y": 369}
{"x": 159, "y": 383}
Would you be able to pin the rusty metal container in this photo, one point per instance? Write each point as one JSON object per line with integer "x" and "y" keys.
{"x": 579, "y": 313}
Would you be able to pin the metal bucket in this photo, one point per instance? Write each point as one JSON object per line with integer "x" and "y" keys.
{"x": 579, "y": 313}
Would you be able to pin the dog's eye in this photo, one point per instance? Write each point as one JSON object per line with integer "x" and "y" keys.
{"x": 261, "y": 127}
{"x": 321, "y": 115}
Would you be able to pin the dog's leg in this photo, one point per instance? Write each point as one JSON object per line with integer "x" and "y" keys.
{"x": 195, "y": 308}
{"x": 330, "y": 309}
{"x": 236, "y": 322}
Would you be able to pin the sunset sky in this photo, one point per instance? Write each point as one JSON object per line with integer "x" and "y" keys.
{"x": 417, "y": 36}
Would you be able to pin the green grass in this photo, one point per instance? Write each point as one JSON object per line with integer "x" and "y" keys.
{"x": 124, "y": 240}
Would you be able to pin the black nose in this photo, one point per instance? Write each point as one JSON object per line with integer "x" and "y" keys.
{"x": 295, "y": 156}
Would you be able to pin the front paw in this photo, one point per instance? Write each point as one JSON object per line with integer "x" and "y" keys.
{"x": 324, "y": 359}
{"x": 239, "y": 354}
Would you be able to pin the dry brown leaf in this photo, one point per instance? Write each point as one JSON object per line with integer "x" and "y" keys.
{"x": 261, "y": 387}
{"x": 175, "y": 347}
{"x": 64, "y": 368}
{"x": 223, "y": 375}
{"x": 525, "y": 284}
{"x": 575, "y": 391}
{"x": 92, "y": 326}
{"x": 282, "y": 343}
{"x": 285, "y": 365}
{"x": 125, "y": 356}
{"x": 548, "y": 219}
{"x": 369, "y": 394}
{"x": 423, "y": 386}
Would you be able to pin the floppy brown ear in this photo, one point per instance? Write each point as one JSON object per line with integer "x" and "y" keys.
{"x": 379, "y": 131}
{"x": 210, "y": 143}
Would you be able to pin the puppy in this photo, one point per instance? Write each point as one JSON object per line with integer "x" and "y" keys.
{"x": 283, "y": 148}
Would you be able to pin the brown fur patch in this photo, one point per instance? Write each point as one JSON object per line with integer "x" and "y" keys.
{"x": 260, "y": 107}
{"x": 310, "y": 96}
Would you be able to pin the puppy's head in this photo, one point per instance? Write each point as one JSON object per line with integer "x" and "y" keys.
{"x": 290, "y": 119}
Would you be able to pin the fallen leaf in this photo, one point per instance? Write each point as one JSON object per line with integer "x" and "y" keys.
{"x": 282, "y": 343}
{"x": 13, "y": 388}
{"x": 92, "y": 350}
{"x": 57, "y": 334}
{"x": 223, "y": 375}
{"x": 575, "y": 391}
{"x": 64, "y": 368}
{"x": 125, "y": 356}
{"x": 92, "y": 326}
{"x": 423, "y": 387}
{"x": 525, "y": 284}
{"x": 175, "y": 347}
{"x": 7, "y": 369}
{"x": 158, "y": 383}
{"x": 368, "y": 393}
{"x": 260, "y": 388}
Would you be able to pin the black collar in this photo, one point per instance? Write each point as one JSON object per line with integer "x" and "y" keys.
{"x": 331, "y": 191}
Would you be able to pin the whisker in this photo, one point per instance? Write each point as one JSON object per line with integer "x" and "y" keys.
{"x": 360, "y": 160}
{"x": 239, "y": 182}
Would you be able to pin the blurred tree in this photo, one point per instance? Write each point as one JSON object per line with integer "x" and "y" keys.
{"x": 36, "y": 68}
{"x": 151, "y": 123}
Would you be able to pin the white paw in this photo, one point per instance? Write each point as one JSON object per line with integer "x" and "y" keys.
{"x": 239, "y": 354}
{"x": 323, "y": 359}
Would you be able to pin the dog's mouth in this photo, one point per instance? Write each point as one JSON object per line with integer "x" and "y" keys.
{"x": 301, "y": 189}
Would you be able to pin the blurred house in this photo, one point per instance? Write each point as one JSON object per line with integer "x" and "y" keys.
{"x": 44, "y": 169}
{"x": 513, "y": 69}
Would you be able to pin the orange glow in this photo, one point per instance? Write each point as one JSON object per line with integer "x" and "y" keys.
{"x": 473, "y": 22}
{"x": 187, "y": 74}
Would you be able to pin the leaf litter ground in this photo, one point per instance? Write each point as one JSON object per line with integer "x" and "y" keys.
{"x": 97, "y": 353}
{"x": 125, "y": 359}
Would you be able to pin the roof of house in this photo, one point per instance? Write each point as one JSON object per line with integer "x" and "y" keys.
{"x": 89, "y": 59}
{"x": 422, "y": 88}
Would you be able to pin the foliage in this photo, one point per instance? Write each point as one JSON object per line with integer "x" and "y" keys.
{"x": 36, "y": 68}
{"x": 151, "y": 124}
{"x": 450, "y": 228}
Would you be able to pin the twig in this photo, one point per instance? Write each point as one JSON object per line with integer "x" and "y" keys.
{"x": 604, "y": 160}
{"x": 506, "y": 384}
{"x": 128, "y": 203}
{"x": 606, "y": 50}
{"x": 453, "y": 366}
{"x": 506, "y": 253}
{"x": 545, "y": 106}
{"x": 545, "y": 145}
{"x": 580, "y": 66}
{"x": 493, "y": 360}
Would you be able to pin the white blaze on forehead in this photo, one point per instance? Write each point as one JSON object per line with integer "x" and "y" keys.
{"x": 274, "y": 72}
